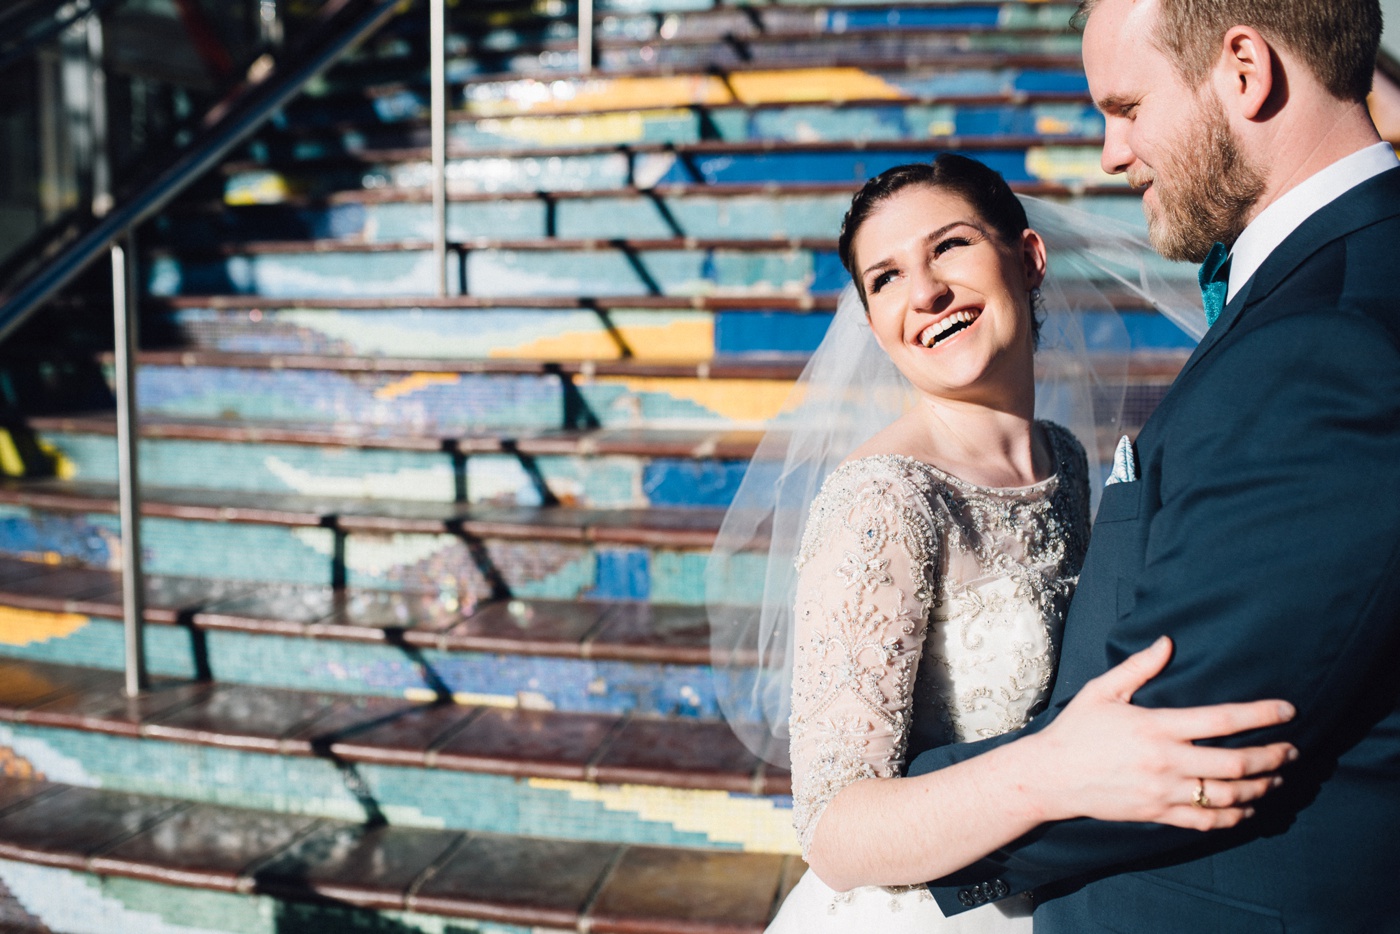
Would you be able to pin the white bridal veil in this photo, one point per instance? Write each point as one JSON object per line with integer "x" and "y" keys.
{"x": 849, "y": 390}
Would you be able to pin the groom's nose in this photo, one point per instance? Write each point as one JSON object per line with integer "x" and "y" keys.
{"x": 1117, "y": 153}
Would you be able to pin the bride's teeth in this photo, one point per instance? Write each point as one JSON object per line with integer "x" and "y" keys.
{"x": 936, "y": 330}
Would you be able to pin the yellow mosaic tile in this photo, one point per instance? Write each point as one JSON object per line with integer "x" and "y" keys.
{"x": 26, "y": 627}
{"x": 757, "y": 824}
{"x": 742, "y": 400}
{"x": 586, "y": 130}
{"x": 411, "y": 384}
{"x": 676, "y": 340}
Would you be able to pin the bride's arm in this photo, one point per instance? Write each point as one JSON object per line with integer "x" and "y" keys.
{"x": 1101, "y": 758}
{"x": 867, "y": 575}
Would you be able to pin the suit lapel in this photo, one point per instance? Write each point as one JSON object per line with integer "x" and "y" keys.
{"x": 1370, "y": 202}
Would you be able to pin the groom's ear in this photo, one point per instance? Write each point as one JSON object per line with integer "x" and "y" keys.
{"x": 1244, "y": 74}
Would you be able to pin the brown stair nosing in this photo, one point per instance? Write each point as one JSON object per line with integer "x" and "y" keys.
{"x": 616, "y": 634}
{"x": 791, "y": 34}
{"x": 448, "y": 873}
{"x": 397, "y": 195}
{"x": 1119, "y": 297}
{"x": 464, "y": 115}
{"x": 1141, "y": 367}
{"x": 534, "y": 244}
{"x": 957, "y": 62}
{"x": 682, "y": 528}
{"x": 778, "y": 368}
{"x": 613, "y": 749}
{"x": 776, "y": 301}
{"x": 367, "y": 157}
{"x": 699, "y": 444}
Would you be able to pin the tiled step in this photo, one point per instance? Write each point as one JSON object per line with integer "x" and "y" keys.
{"x": 591, "y": 656}
{"x": 540, "y": 267}
{"x": 816, "y": 48}
{"x": 471, "y": 396}
{"x": 342, "y": 872}
{"x": 1020, "y": 160}
{"x": 835, "y": 18}
{"x": 597, "y": 469}
{"x": 866, "y": 121}
{"x": 948, "y": 80}
{"x": 679, "y": 444}
{"x": 583, "y": 629}
{"x": 716, "y": 369}
{"x": 464, "y": 765}
{"x": 474, "y": 553}
{"x": 771, "y": 211}
{"x": 677, "y": 528}
{"x": 500, "y": 268}
{"x": 442, "y": 735}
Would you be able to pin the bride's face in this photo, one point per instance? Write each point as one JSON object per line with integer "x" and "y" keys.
{"x": 949, "y": 300}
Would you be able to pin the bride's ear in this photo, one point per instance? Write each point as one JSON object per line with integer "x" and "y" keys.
{"x": 1034, "y": 258}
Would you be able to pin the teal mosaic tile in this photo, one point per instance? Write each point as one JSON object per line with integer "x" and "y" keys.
{"x": 432, "y": 333}
{"x": 81, "y": 903}
{"x": 465, "y": 221}
{"x": 277, "y": 468}
{"x": 558, "y": 683}
{"x": 420, "y": 400}
{"x": 304, "y": 275}
{"x": 406, "y": 796}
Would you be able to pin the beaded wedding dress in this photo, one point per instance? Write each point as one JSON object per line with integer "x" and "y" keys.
{"x": 928, "y": 610}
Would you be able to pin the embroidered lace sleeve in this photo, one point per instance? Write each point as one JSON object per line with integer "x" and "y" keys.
{"x": 866, "y": 579}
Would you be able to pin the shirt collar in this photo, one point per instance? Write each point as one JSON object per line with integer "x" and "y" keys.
{"x": 1287, "y": 214}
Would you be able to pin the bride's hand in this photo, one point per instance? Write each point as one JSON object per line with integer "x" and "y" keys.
{"x": 1106, "y": 759}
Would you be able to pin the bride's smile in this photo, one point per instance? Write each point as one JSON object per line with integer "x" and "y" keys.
{"x": 948, "y": 299}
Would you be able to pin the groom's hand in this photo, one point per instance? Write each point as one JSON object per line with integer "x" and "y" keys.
{"x": 1106, "y": 759}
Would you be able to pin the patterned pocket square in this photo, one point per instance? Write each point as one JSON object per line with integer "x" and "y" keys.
{"x": 1125, "y": 469}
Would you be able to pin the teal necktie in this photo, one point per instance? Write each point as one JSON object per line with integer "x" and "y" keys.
{"x": 1215, "y": 282}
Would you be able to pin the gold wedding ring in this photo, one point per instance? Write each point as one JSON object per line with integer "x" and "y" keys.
{"x": 1199, "y": 798}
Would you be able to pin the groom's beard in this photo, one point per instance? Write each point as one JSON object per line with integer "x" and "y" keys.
{"x": 1205, "y": 189}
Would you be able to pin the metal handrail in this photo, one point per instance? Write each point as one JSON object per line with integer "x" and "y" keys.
{"x": 115, "y": 233}
{"x": 242, "y": 119}
{"x": 50, "y": 24}
{"x": 345, "y": 23}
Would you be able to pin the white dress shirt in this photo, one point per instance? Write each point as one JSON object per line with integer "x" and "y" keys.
{"x": 1278, "y": 220}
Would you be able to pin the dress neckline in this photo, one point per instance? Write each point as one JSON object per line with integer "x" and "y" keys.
{"x": 1046, "y": 486}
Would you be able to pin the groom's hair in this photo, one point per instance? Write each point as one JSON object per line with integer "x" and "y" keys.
{"x": 1337, "y": 39}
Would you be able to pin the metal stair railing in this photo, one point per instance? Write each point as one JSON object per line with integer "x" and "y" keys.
{"x": 341, "y": 26}
{"x": 28, "y": 25}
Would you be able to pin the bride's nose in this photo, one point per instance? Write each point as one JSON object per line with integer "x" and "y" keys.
{"x": 925, "y": 289}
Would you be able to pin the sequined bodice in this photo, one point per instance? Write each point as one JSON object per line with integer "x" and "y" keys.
{"x": 926, "y": 607}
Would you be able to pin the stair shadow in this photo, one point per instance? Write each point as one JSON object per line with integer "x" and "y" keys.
{"x": 327, "y": 916}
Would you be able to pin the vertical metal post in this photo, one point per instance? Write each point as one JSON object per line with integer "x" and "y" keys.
{"x": 585, "y": 36}
{"x": 101, "y": 136}
{"x": 128, "y": 435}
{"x": 270, "y": 29}
{"x": 437, "y": 38}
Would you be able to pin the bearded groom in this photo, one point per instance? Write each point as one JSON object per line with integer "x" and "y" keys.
{"x": 1262, "y": 528}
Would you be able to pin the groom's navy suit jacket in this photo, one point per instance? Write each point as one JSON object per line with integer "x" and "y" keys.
{"x": 1264, "y": 536}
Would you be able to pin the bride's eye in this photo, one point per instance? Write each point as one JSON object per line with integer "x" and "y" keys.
{"x": 880, "y": 281}
{"x": 945, "y": 245}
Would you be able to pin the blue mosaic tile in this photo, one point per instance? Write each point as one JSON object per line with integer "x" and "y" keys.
{"x": 412, "y": 797}
{"x": 623, "y": 574}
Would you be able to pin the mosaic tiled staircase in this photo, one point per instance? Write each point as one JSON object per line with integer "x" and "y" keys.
{"x": 425, "y": 612}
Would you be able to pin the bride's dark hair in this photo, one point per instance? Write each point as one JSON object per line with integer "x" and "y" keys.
{"x": 977, "y": 183}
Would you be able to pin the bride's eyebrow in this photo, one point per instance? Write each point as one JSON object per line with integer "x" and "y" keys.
{"x": 886, "y": 263}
